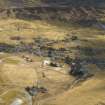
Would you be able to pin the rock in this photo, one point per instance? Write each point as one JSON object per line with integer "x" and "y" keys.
{"x": 17, "y": 102}
{"x": 73, "y": 38}
{"x": 46, "y": 62}
{"x": 33, "y": 91}
{"x": 78, "y": 70}
{"x": 68, "y": 60}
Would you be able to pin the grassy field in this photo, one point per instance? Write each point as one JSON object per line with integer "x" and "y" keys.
{"x": 53, "y": 30}
{"x": 16, "y": 73}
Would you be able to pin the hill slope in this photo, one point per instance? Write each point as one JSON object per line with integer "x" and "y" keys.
{"x": 32, "y": 3}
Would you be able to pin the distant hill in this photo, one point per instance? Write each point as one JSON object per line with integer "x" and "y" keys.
{"x": 18, "y": 3}
{"x": 63, "y": 10}
{"x": 95, "y": 3}
{"x": 32, "y": 3}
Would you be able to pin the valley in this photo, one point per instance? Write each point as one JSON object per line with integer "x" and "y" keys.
{"x": 39, "y": 45}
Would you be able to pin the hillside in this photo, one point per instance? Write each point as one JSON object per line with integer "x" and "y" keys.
{"x": 68, "y": 10}
{"x": 33, "y": 3}
{"x": 61, "y": 33}
{"x": 76, "y": 3}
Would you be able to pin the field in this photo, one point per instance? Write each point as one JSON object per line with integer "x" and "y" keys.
{"x": 16, "y": 72}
